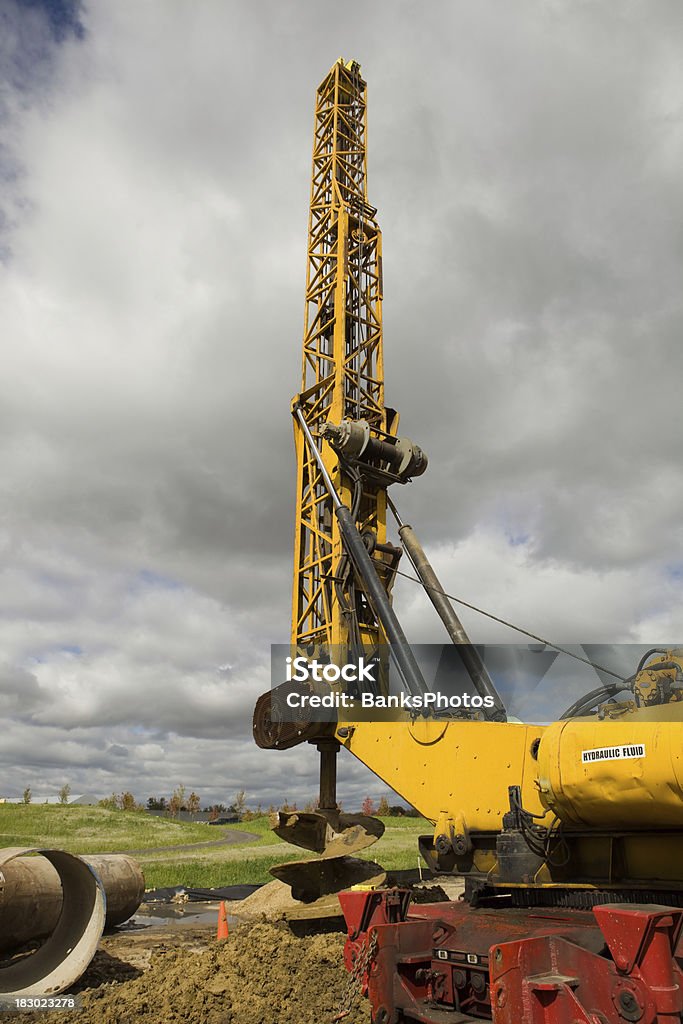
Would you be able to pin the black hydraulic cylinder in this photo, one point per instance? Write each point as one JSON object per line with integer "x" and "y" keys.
{"x": 470, "y": 656}
{"x": 379, "y": 599}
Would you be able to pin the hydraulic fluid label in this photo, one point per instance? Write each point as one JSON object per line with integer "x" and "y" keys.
{"x": 620, "y": 753}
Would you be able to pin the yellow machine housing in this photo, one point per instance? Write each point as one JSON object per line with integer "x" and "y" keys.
{"x": 636, "y": 778}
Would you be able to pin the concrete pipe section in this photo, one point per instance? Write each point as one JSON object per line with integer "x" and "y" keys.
{"x": 66, "y": 900}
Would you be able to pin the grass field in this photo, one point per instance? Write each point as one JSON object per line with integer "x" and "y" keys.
{"x": 96, "y": 830}
{"x": 93, "y": 829}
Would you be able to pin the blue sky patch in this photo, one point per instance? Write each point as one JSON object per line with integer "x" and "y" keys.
{"x": 62, "y": 16}
{"x": 149, "y": 578}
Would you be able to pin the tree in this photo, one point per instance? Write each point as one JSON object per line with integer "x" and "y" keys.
{"x": 127, "y": 802}
{"x": 177, "y": 801}
{"x": 367, "y": 807}
{"x": 240, "y": 803}
{"x": 383, "y": 808}
{"x": 65, "y": 793}
{"x": 193, "y": 803}
{"x": 156, "y": 805}
{"x": 110, "y": 803}
{"x": 27, "y": 795}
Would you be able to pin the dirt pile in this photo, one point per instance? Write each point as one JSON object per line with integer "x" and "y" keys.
{"x": 272, "y": 901}
{"x": 261, "y": 974}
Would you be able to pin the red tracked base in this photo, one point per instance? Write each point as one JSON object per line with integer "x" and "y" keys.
{"x": 446, "y": 963}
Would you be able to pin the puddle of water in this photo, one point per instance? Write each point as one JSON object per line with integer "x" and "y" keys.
{"x": 180, "y": 915}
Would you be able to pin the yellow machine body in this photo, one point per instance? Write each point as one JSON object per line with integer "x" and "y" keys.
{"x": 460, "y": 769}
{"x": 458, "y": 773}
{"x": 618, "y": 774}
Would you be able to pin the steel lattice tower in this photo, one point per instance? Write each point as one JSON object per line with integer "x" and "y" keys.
{"x": 343, "y": 372}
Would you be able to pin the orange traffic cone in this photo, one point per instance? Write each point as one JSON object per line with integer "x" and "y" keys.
{"x": 222, "y": 930}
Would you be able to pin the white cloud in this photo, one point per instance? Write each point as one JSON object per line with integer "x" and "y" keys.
{"x": 525, "y": 168}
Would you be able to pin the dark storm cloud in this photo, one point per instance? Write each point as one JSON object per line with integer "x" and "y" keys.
{"x": 526, "y": 165}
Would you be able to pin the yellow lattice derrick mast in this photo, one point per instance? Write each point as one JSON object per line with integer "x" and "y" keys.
{"x": 342, "y": 368}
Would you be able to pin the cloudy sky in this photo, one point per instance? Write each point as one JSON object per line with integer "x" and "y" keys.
{"x": 154, "y": 176}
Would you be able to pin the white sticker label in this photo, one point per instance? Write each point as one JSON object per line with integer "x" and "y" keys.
{"x": 621, "y": 753}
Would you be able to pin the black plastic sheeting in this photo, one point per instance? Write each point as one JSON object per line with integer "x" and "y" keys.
{"x": 227, "y": 892}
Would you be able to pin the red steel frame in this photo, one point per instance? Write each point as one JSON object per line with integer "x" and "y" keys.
{"x": 447, "y": 963}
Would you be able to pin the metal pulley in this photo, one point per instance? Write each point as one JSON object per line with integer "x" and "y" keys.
{"x": 397, "y": 456}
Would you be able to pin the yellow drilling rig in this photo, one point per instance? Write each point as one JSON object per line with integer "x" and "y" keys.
{"x": 569, "y": 836}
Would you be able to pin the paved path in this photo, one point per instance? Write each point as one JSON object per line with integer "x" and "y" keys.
{"x": 227, "y": 838}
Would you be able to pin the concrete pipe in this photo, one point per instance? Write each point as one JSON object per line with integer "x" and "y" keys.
{"x": 67, "y": 898}
{"x": 124, "y": 884}
{"x": 70, "y": 947}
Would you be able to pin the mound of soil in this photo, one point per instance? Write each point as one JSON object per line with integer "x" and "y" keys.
{"x": 261, "y": 974}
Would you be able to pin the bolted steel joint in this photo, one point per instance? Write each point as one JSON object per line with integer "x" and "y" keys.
{"x": 460, "y": 845}
{"x": 627, "y": 1003}
{"x": 442, "y": 844}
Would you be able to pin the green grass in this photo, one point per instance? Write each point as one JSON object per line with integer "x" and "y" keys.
{"x": 257, "y": 826}
{"x": 418, "y": 825}
{"x": 250, "y": 862}
{"x": 96, "y": 830}
{"x": 208, "y": 872}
